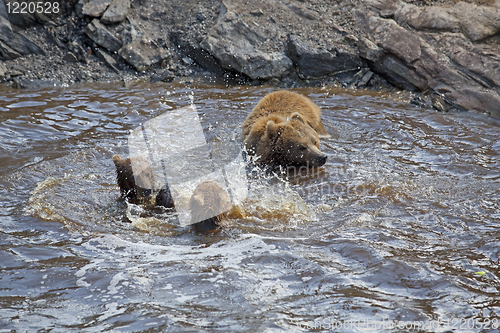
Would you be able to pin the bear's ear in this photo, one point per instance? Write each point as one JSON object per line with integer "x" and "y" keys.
{"x": 298, "y": 116}
{"x": 271, "y": 129}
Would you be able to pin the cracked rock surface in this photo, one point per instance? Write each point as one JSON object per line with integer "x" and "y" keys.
{"x": 446, "y": 51}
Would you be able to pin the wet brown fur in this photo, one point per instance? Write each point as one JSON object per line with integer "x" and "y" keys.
{"x": 284, "y": 130}
{"x": 209, "y": 199}
{"x": 131, "y": 191}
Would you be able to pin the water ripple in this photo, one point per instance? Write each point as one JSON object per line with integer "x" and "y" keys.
{"x": 400, "y": 226}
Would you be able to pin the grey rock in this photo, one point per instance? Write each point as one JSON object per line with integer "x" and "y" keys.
{"x": 27, "y": 18}
{"x": 440, "y": 103}
{"x": 7, "y": 53}
{"x": 400, "y": 74}
{"x": 95, "y": 8}
{"x": 477, "y": 22}
{"x": 14, "y": 44}
{"x": 70, "y": 57}
{"x": 79, "y": 8}
{"x": 359, "y": 75}
{"x": 200, "y": 16}
{"x": 24, "y": 20}
{"x": 24, "y": 45}
{"x": 247, "y": 60}
{"x": 116, "y": 12}
{"x": 14, "y": 72}
{"x": 301, "y": 11}
{"x": 163, "y": 75}
{"x": 143, "y": 53}
{"x": 78, "y": 51}
{"x": 476, "y": 98}
{"x": 129, "y": 81}
{"x": 421, "y": 101}
{"x": 422, "y": 18}
{"x": 202, "y": 57}
{"x": 44, "y": 19}
{"x": 71, "y": 31}
{"x": 102, "y": 36}
{"x": 258, "y": 12}
{"x": 3, "y": 71}
{"x": 54, "y": 39}
{"x": 187, "y": 61}
{"x": 108, "y": 59}
{"x": 365, "y": 79}
{"x": 129, "y": 33}
{"x": 393, "y": 38}
{"x": 484, "y": 67}
{"x": 460, "y": 74}
{"x": 316, "y": 62}
{"x": 369, "y": 50}
{"x": 3, "y": 12}
{"x": 20, "y": 44}
{"x": 5, "y": 27}
{"x": 261, "y": 65}
{"x": 386, "y": 13}
{"x": 232, "y": 42}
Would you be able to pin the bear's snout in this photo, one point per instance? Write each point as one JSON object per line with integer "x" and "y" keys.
{"x": 322, "y": 159}
{"x": 316, "y": 158}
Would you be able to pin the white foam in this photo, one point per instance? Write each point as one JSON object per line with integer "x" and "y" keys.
{"x": 95, "y": 262}
{"x": 113, "y": 288}
{"x": 232, "y": 250}
{"x": 111, "y": 310}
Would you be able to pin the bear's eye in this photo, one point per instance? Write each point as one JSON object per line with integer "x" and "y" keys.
{"x": 302, "y": 147}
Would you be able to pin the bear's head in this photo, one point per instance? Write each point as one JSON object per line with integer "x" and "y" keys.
{"x": 208, "y": 205}
{"x": 293, "y": 143}
{"x": 129, "y": 181}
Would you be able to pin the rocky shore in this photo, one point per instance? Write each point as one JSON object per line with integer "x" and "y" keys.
{"x": 446, "y": 51}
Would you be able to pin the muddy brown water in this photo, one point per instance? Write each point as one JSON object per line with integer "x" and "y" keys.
{"x": 400, "y": 228}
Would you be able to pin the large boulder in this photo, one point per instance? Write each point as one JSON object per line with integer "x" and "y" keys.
{"x": 95, "y": 8}
{"x": 116, "y": 12}
{"x": 102, "y": 36}
{"x": 435, "y": 49}
{"x": 14, "y": 44}
{"x": 315, "y": 62}
{"x": 233, "y": 43}
{"x": 142, "y": 53}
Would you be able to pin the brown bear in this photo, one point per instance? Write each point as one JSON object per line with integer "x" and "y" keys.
{"x": 209, "y": 205}
{"x": 131, "y": 191}
{"x": 284, "y": 130}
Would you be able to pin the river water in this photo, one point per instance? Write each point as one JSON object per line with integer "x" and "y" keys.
{"x": 400, "y": 228}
